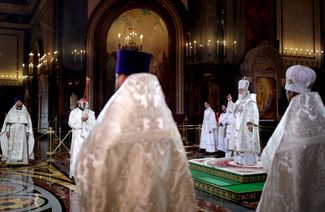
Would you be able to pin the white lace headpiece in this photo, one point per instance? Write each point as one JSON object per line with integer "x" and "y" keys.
{"x": 300, "y": 79}
{"x": 243, "y": 84}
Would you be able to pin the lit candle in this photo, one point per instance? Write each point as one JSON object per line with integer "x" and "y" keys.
{"x": 119, "y": 40}
{"x": 190, "y": 49}
{"x": 56, "y": 55}
{"x": 285, "y": 50}
{"x": 31, "y": 57}
{"x": 224, "y": 48}
{"x": 81, "y": 55}
{"x": 209, "y": 47}
{"x": 141, "y": 37}
{"x": 235, "y": 48}
{"x": 218, "y": 47}
{"x": 321, "y": 57}
{"x": 194, "y": 47}
{"x": 75, "y": 55}
{"x": 200, "y": 51}
{"x": 186, "y": 50}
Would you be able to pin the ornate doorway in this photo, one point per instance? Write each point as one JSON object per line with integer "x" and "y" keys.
{"x": 129, "y": 28}
{"x": 102, "y": 34}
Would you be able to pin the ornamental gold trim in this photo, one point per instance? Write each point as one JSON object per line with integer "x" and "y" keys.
{"x": 226, "y": 194}
{"x": 229, "y": 176}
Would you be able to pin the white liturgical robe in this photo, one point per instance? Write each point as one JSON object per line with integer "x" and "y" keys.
{"x": 80, "y": 130}
{"x": 209, "y": 125}
{"x": 19, "y": 148}
{"x": 294, "y": 157}
{"x": 245, "y": 143}
{"x": 224, "y": 131}
{"x": 134, "y": 158}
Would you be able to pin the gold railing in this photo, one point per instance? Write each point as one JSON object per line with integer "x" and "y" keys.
{"x": 190, "y": 133}
{"x": 55, "y": 140}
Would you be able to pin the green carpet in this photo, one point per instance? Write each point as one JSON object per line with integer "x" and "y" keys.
{"x": 225, "y": 188}
{"x": 212, "y": 179}
{"x": 248, "y": 178}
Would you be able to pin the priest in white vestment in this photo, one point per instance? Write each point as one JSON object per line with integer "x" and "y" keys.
{"x": 229, "y": 118}
{"x": 225, "y": 121}
{"x": 81, "y": 120}
{"x": 134, "y": 158}
{"x": 244, "y": 138}
{"x": 222, "y": 129}
{"x": 17, "y": 138}
{"x": 294, "y": 155}
{"x": 208, "y": 139}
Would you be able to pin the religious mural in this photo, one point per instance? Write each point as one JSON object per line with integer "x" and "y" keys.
{"x": 266, "y": 97}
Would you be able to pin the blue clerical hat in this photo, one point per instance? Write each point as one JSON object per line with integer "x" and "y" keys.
{"x": 18, "y": 98}
{"x": 131, "y": 62}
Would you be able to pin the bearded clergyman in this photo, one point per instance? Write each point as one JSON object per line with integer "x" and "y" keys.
{"x": 81, "y": 120}
{"x": 17, "y": 139}
{"x": 244, "y": 139}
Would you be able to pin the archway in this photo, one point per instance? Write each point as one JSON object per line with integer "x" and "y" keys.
{"x": 173, "y": 14}
{"x": 128, "y": 29}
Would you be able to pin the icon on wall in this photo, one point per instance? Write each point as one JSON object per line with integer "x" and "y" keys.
{"x": 266, "y": 97}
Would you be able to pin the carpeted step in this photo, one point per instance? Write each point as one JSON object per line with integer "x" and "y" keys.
{"x": 227, "y": 189}
{"x": 225, "y": 168}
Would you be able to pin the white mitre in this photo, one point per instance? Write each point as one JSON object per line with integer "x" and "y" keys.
{"x": 243, "y": 84}
{"x": 300, "y": 79}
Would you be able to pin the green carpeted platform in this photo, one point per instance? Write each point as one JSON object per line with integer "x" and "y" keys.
{"x": 221, "y": 178}
{"x": 228, "y": 189}
{"x": 218, "y": 172}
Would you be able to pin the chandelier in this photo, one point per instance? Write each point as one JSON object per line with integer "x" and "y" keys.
{"x": 131, "y": 40}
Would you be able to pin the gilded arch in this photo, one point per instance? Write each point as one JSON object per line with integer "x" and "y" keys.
{"x": 172, "y": 12}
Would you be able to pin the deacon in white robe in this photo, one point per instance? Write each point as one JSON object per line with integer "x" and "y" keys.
{"x": 134, "y": 158}
{"x": 229, "y": 120}
{"x": 244, "y": 139}
{"x": 208, "y": 140}
{"x": 81, "y": 120}
{"x": 222, "y": 129}
{"x": 225, "y": 121}
{"x": 294, "y": 156}
{"x": 17, "y": 139}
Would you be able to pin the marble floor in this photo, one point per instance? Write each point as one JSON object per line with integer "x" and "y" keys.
{"x": 43, "y": 185}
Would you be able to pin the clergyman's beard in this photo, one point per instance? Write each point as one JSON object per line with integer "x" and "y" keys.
{"x": 241, "y": 96}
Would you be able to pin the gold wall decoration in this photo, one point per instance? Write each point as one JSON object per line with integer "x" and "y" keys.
{"x": 11, "y": 50}
{"x": 299, "y": 35}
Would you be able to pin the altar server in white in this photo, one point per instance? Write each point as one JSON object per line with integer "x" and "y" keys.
{"x": 225, "y": 121}
{"x": 208, "y": 139}
{"x": 81, "y": 120}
